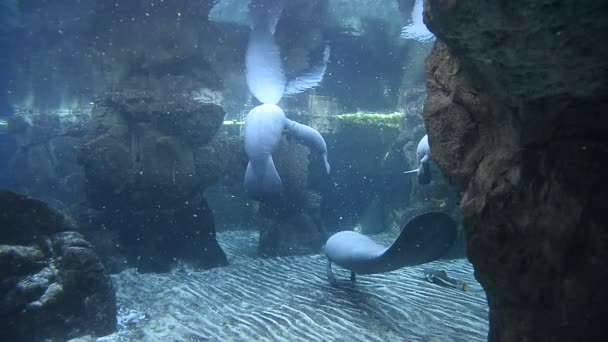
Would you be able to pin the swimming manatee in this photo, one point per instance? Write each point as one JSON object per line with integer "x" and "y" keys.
{"x": 423, "y": 155}
{"x": 264, "y": 125}
{"x": 423, "y": 239}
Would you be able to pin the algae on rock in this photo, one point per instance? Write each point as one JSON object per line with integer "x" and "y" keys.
{"x": 371, "y": 119}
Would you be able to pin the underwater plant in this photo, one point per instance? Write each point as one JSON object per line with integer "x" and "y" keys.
{"x": 371, "y": 119}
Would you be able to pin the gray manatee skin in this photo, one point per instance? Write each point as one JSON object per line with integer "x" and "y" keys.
{"x": 266, "y": 80}
{"x": 423, "y": 155}
{"x": 264, "y": 127}
{"x": 425, "y": 238}
{"x": 263, "y": 68}
{"x": 355, "y": 252}
{"x": 309, "y": 137}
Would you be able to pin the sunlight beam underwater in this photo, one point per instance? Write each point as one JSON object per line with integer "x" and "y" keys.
{"x": 265, "y": 124}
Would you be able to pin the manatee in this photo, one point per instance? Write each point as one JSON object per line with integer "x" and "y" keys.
{"x": 423, "y": 155}
{"x": 423, "y": 239}
{"x": 309, "y": 137}
{"x": 417, "y": 30}
{"x": 264, "y": 125}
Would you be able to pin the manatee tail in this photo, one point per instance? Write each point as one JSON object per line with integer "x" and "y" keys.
{"x": 262, "y": 180}
{"x": 309, "y": 137}
{"x": 311, "y": 78}
{"x": 423, "y": 239}
{"x": 264, "y": 72}
{"x": 417, "y": 29}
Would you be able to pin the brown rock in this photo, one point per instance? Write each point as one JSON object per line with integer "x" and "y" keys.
{"x": 515, "y": 91}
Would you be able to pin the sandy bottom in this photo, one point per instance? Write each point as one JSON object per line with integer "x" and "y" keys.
{"x": 289, "y": 299}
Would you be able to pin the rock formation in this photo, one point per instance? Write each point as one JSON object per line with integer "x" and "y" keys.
{"x": 44, "y": 164}
{"x": 515, "y": 114}
{"x": 147, "y": 161}
{"x": 52, "y": 283}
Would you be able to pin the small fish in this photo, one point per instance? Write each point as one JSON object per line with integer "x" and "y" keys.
{"x": 440, "y": 277}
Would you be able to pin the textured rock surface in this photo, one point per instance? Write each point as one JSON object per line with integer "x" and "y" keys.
{"x": 147, "y": 161}
{"x": 515, "y": 114}
{"x": 52, "y": 283}
{"x": 44, "y": 164}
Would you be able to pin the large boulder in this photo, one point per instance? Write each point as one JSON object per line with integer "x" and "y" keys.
{"x": 144, "y": 150}
{"x": 515, "y": 113}
{"x": 147, "y": 161}
{"x": 52, "y": 285}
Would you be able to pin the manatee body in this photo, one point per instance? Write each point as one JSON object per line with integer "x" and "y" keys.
{"x": 264, "y": 126}
{"x": 423, "y": 239}
{"x": 423, "y": 155}
{"x": 264, "y": 72}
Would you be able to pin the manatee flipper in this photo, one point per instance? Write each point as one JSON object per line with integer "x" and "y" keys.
{"x": 309, "y": 137}
{"x": 262, "y": 180}
{"x": 424, "y": 238}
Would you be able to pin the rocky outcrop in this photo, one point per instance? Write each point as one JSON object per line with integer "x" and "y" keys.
{"x": 52, "y": 283}
{"x": 147, "y": 161}
{"x": 515, "y": 116}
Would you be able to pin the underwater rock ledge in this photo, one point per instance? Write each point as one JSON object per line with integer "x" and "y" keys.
{"x": 52, "y": 284}
{"x": 515, "y": 112}
{"x": 156, "y": 156}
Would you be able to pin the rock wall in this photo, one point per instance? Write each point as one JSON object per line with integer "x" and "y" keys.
{"x": 515, "y": 116}
{"x": 44, "y": 164}
{"x": 52, "y": 283}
